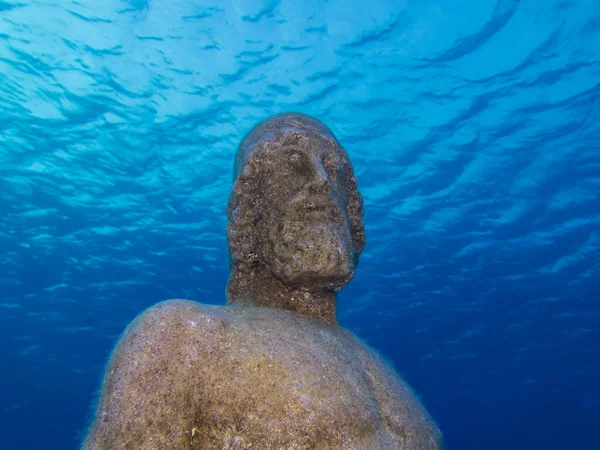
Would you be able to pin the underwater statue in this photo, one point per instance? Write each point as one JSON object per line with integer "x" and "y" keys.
{"x": 272, "y": 370}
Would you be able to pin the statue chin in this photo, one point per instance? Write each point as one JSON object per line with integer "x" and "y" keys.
{"x": 311, "y": 256}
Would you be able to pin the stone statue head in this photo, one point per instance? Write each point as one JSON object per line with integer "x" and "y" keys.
{"x": 295, "y": 214}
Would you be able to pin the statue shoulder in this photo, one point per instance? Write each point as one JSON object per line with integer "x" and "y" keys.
{"x": 160, "y": 359}
{"x": 179, "y": 317}
{"x": 401, "y": 409}
{"x": 171, "y": 327}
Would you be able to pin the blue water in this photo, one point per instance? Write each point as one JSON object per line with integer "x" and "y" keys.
{"x": 474, "y": 129}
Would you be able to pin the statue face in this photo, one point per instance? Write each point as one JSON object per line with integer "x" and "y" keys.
{"x": 305, "y": 236}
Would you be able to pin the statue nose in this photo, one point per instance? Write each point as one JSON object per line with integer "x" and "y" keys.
{"x": 321, "y": 178}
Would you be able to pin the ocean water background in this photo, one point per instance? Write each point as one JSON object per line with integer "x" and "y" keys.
{"x": 474, "y": 129}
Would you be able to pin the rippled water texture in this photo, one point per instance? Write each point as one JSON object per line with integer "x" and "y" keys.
{"x": 474, "y": 128}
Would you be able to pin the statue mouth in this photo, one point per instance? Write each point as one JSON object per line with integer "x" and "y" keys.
{"x": 318, "y": 209}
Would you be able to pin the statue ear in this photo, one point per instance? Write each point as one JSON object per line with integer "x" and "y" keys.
{"x": 356, "y": 213}
{"x": 242, "y": 236}
{"x": 235, "y": 198}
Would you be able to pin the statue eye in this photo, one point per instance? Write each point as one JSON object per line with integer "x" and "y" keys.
{"x": 300, "y": 164}
{"x": 333, "y": 167}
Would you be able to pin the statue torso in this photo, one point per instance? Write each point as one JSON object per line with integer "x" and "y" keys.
{"x": 285, "y": 380}
{"x": 262, "y": 378}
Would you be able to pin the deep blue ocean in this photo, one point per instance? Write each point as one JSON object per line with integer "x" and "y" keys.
{"x": 474, "y": 130}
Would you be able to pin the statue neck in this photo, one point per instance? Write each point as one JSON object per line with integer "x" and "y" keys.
{"x": 261, "y": 288}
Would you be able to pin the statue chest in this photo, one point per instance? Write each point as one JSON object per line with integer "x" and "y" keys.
{"x": 307, "y": 390}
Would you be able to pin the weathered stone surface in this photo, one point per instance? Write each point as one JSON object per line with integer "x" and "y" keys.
{"x": 295, "y": 218}
{"x": 272, "y": 370}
